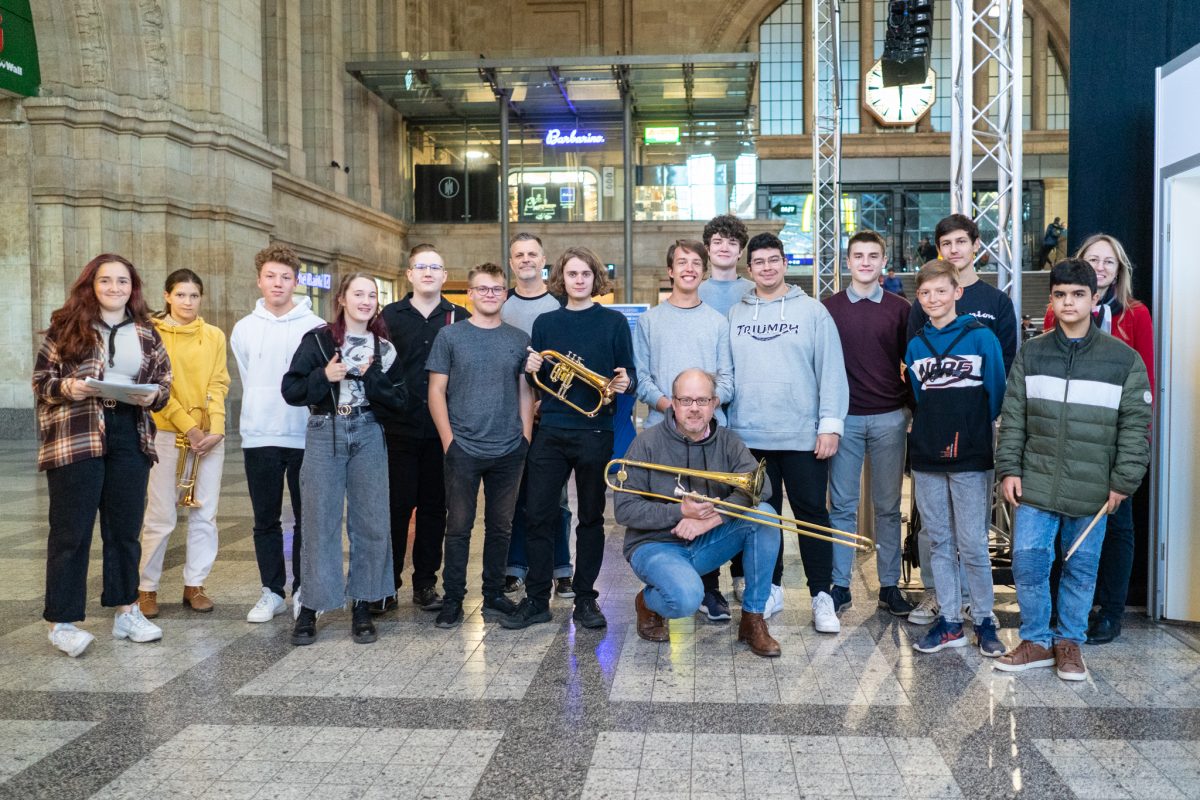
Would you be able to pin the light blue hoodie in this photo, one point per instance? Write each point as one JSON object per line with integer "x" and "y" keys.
{"x": 789, "y": 373}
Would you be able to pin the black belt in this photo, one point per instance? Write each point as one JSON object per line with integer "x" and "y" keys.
{"x": 116, "y": 406}
{"x": 341, "y": 411}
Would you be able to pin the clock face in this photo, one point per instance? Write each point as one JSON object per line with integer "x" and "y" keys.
{"x": 897, "y": 105}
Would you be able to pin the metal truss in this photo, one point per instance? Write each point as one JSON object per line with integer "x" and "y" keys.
{"x": 985, "y": 138}
{"x": 826, "y": 147}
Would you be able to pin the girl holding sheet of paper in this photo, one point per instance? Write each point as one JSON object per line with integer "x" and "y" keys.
{"x": 96, "y": 451}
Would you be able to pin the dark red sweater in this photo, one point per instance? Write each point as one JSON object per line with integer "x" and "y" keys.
{"x": 874, "y": 337}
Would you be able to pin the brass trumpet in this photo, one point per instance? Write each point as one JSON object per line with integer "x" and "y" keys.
{"x": 750, "y": 483}
{"x": 564, "y": 369}
{"x": 188, "y": 465}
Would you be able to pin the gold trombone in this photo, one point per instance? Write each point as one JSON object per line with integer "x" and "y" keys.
{"x": 564, "y": 369}
{"x": 749, "y": 483}
{"x": 188, "y": 465}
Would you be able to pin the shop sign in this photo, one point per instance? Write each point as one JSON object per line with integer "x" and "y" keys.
{"x": 19, "y": 71}
{"x": 556, "y": 138}
{"x": 316, "y": 280}
{"x": 662, "y": 135}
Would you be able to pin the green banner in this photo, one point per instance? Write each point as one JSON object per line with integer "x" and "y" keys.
{"x": 19, "y": 71}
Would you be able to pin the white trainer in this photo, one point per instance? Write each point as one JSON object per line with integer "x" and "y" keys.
{"x": 825, "y": 619}
{"x": 268, "y": 606}
{"x": 774, "y": 601}
{"x": 926, "y": 611}
{"x": 132, "y": 625}
{"x": 72, "y": 641}
{"x": 739, "y": 588}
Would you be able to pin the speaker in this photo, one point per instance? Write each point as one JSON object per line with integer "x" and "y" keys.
{"x": 906, "y": 48}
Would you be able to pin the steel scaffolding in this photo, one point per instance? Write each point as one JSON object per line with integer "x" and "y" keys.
{"x": 985, "y": 137}
{"x": 826, "y": 148}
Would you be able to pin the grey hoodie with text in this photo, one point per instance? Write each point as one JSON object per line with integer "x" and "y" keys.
{"x": 788, "y": 370}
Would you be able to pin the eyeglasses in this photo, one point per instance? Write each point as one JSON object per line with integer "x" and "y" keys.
{"x": 1097, "y": 261}
{"x": 488, "y": 291}
{"x": 687, "y": 402}
{"x": 774, "y": 261}
{"x": 427, "y": 267}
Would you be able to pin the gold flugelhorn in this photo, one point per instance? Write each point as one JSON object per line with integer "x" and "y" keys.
{"x": 188, "y": 465}
{"x": 564, "y": 369}
{"x": 750, "y": 483}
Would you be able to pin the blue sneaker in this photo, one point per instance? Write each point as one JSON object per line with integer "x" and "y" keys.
{"x": 841, "y": 598}
{"x": 942, "y": 635}
{"x": 715, "y": 607}
{"x": 988, "y": 640}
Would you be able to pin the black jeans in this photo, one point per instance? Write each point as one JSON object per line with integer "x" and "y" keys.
{"x": 115, "y": 485}
{"x": 417, "y": 483}
{"x": 266, "y": 469}
{"x": 1116, "y": 562}
{"x": 806, "y": 479}
{"x": 501, "y": 476}
{"x": 553, "y": 456}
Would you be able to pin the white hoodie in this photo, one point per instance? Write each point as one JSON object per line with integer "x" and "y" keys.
{"x": 263, "y": 345}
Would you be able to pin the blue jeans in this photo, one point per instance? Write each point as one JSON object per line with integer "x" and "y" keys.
{"x": 1116, "y": 562}
{"x": 882, "y": 437}
{"x": 1034, "y": 535}
{"x": 518, "y": 562}
{"x": 951, "y": 505}
{"x": 345, "y": 467}
{"x": 672, "y": 570}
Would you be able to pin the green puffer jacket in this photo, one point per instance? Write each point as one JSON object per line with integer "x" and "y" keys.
{"x": 1075, "y": 422}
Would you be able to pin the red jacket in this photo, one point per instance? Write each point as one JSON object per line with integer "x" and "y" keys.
{"x": 1133, "y": 327}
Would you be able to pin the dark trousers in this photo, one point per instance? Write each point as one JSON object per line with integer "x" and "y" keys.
{"x": 1116, "y": 562}
{"x": 115, "y": 485}
{"x": 806, "y": 479}
{"x": 501, "y": 476}
{"x": 266, "y": 470}
{"x": 555, "y": 453}
{"x": 417, "y": 483}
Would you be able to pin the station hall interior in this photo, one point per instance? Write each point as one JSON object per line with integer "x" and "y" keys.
{"x": 194, "y": 135}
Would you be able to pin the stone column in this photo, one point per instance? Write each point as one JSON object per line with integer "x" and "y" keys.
{"x": 323, "y": 92}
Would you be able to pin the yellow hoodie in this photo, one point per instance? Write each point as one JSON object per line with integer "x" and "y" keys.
{"x": 200, "y": 379}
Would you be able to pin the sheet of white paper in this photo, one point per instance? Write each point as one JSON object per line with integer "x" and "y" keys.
{"x": 122, "y": 392}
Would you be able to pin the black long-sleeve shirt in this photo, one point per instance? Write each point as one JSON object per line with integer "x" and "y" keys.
{"x": 413, "y": 334}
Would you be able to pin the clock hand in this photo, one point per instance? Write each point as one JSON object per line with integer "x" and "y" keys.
{"x": 901, "y": 103}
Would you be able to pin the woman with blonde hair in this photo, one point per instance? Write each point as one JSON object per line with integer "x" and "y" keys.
{"x": 1128, "y": 319}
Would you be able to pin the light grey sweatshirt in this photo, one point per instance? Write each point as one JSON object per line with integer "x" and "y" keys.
{"x": 790, "y": 374}
{"x": 669, "y": 340}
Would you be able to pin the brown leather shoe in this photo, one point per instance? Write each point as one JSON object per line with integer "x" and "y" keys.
{"x": 1026, "y": 655}
{"x": 753, "y": 631}
{"x": 197, "y": 598}
{"x": 650, "y": 626}
{"x": 148, "y": 603}
{"x": 1068, "y": 661}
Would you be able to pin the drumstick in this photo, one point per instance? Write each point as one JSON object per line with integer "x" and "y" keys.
{"x": 1103, "y": 510}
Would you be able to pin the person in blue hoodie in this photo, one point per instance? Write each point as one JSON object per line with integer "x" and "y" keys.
{"x": 790, "y": 400}
{"x": 956, "y": 369}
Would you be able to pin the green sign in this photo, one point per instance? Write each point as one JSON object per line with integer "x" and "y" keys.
{"x": 668, "y": 135}
{"x": 19, "y": 71}
{"x": 784, "y": 209}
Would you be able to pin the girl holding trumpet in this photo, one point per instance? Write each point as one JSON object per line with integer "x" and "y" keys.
{"x": 191, "y": 428}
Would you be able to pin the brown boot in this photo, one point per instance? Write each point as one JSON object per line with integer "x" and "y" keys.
{"x": 196, "y": 597}
{"x": 650, "y": 626}
{"x": 753, "y": 631}
{"x": 148, "y": 603}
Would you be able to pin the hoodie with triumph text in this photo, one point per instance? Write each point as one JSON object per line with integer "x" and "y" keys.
{"x": 788, "y": 372}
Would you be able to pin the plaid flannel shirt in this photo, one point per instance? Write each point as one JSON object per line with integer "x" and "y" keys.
{"x": 73, "y": 430}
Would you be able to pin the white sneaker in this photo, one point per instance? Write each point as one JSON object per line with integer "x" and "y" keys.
{"x": 774, "y": 601}
{"x": 134, "y": 626}
{"x": 72, "y": 641}
{"x": 926, "y": 611}
{"x": 739, "y": 588}
{"x": 824, "y": 617}
{"x": 267, "y": 607}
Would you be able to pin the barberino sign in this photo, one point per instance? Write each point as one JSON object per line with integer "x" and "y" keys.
{"x": 556, "y": 138}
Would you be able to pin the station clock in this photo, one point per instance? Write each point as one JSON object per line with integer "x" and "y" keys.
{"x": 897, "y": 105}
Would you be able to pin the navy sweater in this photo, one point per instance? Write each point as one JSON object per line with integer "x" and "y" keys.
{"x": 601, "y": 338}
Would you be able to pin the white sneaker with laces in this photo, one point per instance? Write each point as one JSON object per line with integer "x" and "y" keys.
{"x": 72, "y": 641}
{"x": 926, "y": 611}
{"x": 825, "y": 619}
{"x": 774, "y": 601}
{"x": 267, "y": 607}
{"x": 132, "y": 625}
{"x": 739, "y": 588}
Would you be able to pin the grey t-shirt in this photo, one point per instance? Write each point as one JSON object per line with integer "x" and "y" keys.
{"x": 723, "y": 295}
{"x": 520, "y": 312}
{"x": 484, "y": 366}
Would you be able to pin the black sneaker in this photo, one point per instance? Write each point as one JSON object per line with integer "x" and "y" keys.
{"x": 564, "y": 587}
{"x": 428, "y": 599}
{"x": 588, "y": 614}
{"x": 715, "y": 607}
{"x": 841, "y": 599}
{"x": 451, "y": 615}
{"x": 497, "y": 607}
{"x": 383, "y": 606}
{"x": 361, "y": 627}
{"x": 526, "y": 614}
{"x": 894, "y": 601}
{"x": 305, "y": 630}
{"x": 513, "y": 584}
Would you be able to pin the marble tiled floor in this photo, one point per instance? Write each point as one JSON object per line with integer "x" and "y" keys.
{"x": 223, "y": 708}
